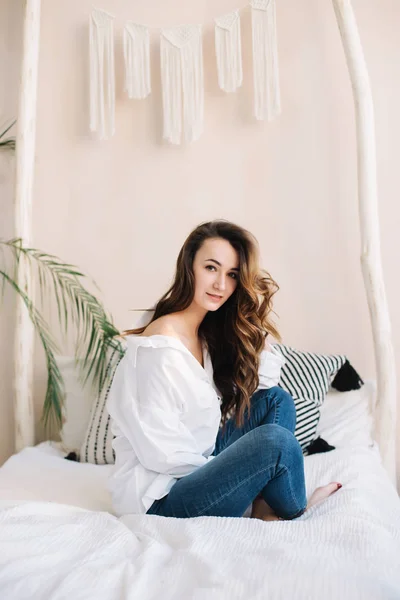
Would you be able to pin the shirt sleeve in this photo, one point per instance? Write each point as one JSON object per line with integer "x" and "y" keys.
{"x": 147, "y": 406}
{"x": 269, "y": 372}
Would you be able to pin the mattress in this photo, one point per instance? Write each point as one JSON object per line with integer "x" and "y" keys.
{"x": 42, "y": 473}
{"x": 59, "y": 538}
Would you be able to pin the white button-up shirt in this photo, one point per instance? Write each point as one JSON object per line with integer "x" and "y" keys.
{"x": 165, "y": 415}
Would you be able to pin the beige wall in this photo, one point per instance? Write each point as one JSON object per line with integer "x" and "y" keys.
{"x": 121, "y": 209}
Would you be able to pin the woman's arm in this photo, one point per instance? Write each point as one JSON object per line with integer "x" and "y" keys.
{"x": 145, "y": 401}
{"x": 269, "y": 371}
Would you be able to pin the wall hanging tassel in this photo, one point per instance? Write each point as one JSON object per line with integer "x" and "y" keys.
{"x": 267, "y": 103}
{"x": 137, "y": 60}
{"x": 182, "y": 82}
{"x": 102, "y": 74}
{"x": 228, "y": 49}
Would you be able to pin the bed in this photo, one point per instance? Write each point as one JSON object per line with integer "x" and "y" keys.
{"x": 60, "y": 539}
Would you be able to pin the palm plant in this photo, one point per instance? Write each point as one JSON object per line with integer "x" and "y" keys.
{"x": 76, "y": 307}
{"x": 97, "y": 343}
{"x": 9, "y": 142}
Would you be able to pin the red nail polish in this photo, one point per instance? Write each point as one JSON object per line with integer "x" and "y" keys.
{"x": 339, "y": 486}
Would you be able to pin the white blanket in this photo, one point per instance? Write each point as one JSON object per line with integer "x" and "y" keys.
{"x": 347, "y": 547}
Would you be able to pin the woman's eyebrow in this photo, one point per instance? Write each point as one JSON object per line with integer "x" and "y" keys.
{"x": 218, "y": 263}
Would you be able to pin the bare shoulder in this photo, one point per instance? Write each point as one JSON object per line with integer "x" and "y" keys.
{"x": 161, "y": 326}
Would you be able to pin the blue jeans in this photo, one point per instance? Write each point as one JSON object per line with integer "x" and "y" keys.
{"x": 260, "y": 458}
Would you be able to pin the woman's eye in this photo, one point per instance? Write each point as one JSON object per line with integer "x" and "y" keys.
{"x": 233, "y": 275}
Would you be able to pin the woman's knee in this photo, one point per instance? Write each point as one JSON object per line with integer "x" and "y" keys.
{"x": 280, "y": 395}
{"x": 283, "y": 402}
{"x": 278, "y": 443}
{"x": 275, "y": 393}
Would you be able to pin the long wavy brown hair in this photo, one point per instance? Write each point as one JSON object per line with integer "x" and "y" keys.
{"x": 236, "y": 332}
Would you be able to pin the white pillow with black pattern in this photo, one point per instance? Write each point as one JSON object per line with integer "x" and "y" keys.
{"x": 97, "y": 445}
{"x": 307, "y": 377}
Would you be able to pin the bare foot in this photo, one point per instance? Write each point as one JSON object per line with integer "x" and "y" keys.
{"x": 321, "y": 493}
{"x": 262, "y": 510}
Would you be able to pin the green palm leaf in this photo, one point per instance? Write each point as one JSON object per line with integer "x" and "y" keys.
{"x": 77, "y": 307}
{"x": 9, "y": 142}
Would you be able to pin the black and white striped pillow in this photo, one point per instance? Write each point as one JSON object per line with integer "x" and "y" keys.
{"x": 307, "y": 377}
{"x": 307, "y": 418}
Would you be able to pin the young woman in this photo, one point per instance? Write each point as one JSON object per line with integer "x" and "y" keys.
{"x": 203, "y": 357}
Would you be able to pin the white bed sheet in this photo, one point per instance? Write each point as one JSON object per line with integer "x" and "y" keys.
{"x": 41, "y": 473}
{"x": 51, "y": 546}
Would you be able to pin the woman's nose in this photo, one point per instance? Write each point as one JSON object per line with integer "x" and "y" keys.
{"x": 221, "y": 282}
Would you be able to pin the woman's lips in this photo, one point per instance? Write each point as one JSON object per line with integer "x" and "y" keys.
{"x": 214, "y": 297}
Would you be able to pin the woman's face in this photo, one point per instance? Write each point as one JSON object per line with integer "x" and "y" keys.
{"x": 216, "y": 271}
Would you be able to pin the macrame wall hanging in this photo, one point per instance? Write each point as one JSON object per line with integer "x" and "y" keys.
{"x": 182, "y": 79}
{"x": 137, "y": 60}
{"x": 182, "y": 82}
{"x": 267, "y": 102}
{"x": 102, "y": 74}
{"x": 228, "y": 50}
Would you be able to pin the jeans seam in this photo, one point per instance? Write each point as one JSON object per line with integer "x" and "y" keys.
{"x": 291, "y": 492}
{"x": 236, "y": 488}
{"x": 276, "y": 410}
